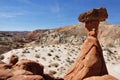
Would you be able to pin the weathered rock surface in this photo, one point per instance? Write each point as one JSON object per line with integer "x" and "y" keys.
{"x": 23, "y": 70}
{"x": 26, "y": 77}
{"x": 5, "y": 74}
{"x": 75, "y": 34}
{"x": 105, "y": 77}
{"x": 95, "y": 14}
{"x": 5, "y": 66}
{"x": 29, "y": 65}
{"x": 12, "y": 40}
{"x": 90, "y": 61}
{"x": 35, "y": 35}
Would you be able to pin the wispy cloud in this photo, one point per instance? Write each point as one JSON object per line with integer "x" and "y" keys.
{"x": 55, "y": 8}
{"x": 11, "y": 14}
{"x": 27, "y": 2}
{"x": 24, "y": 1}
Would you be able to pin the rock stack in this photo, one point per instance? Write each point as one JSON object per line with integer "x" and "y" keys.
{"x": 90, "y": 61}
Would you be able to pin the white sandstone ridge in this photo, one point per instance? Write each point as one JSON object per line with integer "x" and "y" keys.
{"x": 57, "y": 59}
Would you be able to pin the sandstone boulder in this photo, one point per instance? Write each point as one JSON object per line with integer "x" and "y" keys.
{"x": 5, "y": 73}
{"x": 21, "y": 72}
{"x": 5, "y": 66}
{"x": 48, "y": 77}
{"x": 105, "y": 77}
{"x": 26, "y": 77}
{"x": 29, "y": 65}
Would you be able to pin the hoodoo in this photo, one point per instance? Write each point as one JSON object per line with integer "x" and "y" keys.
{"x": 90, "y": 61}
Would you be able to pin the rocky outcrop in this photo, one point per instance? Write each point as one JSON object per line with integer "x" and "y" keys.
{"x": 75, "y": 34}
{"x": 105, "y": 77}
{"x": 30, "y": 66}
{"x": 23, "y": 70}
{"x": 26, "y": 77}
{"x": 11, "y": 40}
{"x": 90, "y": 61}
{"x": 5, "y": 74}
{"x": 5, "y": 71}
{"x": 93, "y": 14}
{"x": 35, "y": 35}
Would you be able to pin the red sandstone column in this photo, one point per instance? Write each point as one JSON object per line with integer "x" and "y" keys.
{"x": 90, "y": 61}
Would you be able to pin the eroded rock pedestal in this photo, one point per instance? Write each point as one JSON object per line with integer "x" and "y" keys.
{"x": 90, "y": 61}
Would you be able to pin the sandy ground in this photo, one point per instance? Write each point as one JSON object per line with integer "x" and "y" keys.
{"x": 114, "y": 69}
{"x": 113, "y": 61}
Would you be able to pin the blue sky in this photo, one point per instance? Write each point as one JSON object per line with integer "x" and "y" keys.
{"x": 28, "y": 15}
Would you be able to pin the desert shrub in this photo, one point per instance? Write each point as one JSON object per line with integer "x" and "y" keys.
{"x": 64, "y": 48}
{"x": 49, "y": 54}
{"x": 55, "y": 64}
{"x": 2, "y": 57}
{"x": 35, "y": 50}
{"x": 57, "y": 56}
{"x": 44, "y": 58}
{"x": 37, "y": 55}
{"x": 42, "y": 46}
{"x": 53, "y": 45}
{"x": 51, "y": 51}
{"x": 25, "y": 51}
{"x": 110, "y": 45}
{"x": 59, "y": 50}
{"x": 52, "y": 72}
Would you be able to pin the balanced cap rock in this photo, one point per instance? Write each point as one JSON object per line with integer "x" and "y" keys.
{"x": 94, "y": 14}
{"x": 90, "y": 61}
